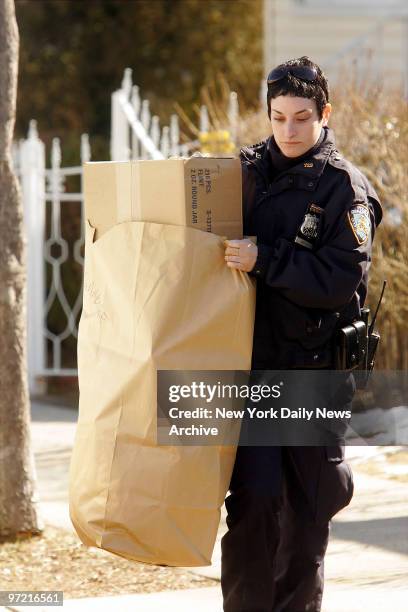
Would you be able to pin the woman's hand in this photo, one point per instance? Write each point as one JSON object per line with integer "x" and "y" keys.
{"x": 241, "y": 254}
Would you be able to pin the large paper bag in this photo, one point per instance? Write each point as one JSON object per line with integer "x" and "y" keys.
{"x": 156, "y": 297}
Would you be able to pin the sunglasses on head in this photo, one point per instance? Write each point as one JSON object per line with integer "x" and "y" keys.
{"x": 305, "y": 73}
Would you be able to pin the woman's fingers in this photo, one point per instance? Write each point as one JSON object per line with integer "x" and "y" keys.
{"x": 235, "y": 258}
{"x": 233, "y": 243}
{"x": 240, "y": 254}
{"x": 233, "y": 264}
{"x": 232, "y": 250}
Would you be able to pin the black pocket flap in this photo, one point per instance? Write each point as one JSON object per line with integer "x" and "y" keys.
{"x": 335, "y": 454}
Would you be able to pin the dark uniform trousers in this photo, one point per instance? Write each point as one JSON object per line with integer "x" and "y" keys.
{"x": 279, "y": 509}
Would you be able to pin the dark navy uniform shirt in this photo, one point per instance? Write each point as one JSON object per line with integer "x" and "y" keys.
{"x": 315, "y": 219}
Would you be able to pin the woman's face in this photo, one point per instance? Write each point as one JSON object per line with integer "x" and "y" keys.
{"x": 295, "y": 124}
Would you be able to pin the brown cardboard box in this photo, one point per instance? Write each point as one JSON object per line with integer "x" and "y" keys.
{"x": 199, "y": 192}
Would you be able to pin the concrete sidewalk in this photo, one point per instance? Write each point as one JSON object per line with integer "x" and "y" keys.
{"x": 366, "y": 565}
{"x": 338, "y": 599}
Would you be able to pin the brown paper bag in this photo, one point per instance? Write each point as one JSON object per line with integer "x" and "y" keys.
{"x": 155, "y": 297}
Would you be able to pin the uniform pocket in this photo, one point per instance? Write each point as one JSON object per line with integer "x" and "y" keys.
{"x": 317, "y": 340}
{"x": 319, "y": 328}
{"x": 335, "y": 484}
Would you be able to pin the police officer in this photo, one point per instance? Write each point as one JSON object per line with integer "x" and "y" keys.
{"x": 314, "y": 215}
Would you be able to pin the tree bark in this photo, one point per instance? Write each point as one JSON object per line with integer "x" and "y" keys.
{"x": 18, "y": 509}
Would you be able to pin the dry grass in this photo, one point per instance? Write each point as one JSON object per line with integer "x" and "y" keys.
{"x": 56, "y": 560}
{"x": 373, "y": 133}
{"x": 371, "y": 127}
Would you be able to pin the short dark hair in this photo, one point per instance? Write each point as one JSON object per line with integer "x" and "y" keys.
{"x": 289, "y": 85}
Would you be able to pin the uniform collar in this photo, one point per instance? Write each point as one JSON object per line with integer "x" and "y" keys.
{"x": 310, "y": 164}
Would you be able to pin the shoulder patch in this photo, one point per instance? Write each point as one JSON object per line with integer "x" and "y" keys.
{"x": 359, "y": 219}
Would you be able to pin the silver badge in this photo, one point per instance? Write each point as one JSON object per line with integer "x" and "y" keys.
{"x": 310, "y": 226}
{"x": 309, "y": 230}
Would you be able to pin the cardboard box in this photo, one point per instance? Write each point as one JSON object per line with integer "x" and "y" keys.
{"x": 199, "y": 192}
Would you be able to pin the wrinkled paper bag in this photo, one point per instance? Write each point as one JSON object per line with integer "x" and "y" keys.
{"x": 155, "y": 297}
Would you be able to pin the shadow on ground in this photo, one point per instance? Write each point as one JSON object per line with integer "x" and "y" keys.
{"x": 384, "y": 533}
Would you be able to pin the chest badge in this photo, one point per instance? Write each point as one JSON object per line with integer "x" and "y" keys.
{"x": 309, "y": 229}
{"x": 308, "y": 165}
{"x": 359, "y": 219}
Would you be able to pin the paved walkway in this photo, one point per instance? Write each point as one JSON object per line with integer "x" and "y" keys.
{"x": 366, "y": 564}
{"x": 209, "y": 599}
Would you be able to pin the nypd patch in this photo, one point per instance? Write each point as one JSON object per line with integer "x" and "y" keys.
{"x": 359, "y": 219}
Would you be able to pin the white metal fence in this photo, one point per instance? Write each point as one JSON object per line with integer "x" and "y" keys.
{"x": 54, "y": 306}
{"x": 48, "y": 253}
{"x": 135, "y": 134}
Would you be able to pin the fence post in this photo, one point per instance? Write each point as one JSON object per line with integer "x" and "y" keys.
{"x": 174, "y": 135}
{"x": 136, "y": 103}
{"x": 120, "y": 150}
{"x": 165, "y": 142}
{"x": 145, "y": 119}
{"x": 155, "y": 131}
{"x": 79, "y": 243}
{"x": 233, "y": 115}
{"x": 32, "y": 172}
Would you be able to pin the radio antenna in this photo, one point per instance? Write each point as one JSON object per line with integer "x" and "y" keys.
{"x": 376, "y": 310}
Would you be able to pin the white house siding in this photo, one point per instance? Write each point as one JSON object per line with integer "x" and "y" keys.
{"x": 297, "y": 29}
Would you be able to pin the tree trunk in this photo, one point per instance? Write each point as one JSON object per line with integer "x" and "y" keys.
{"x": 18, "y": 510}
